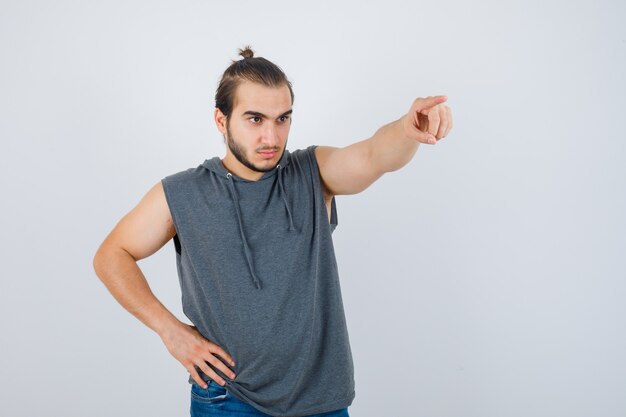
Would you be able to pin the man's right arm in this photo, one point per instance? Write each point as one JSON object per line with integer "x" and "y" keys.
{"x": 139, "y": 234}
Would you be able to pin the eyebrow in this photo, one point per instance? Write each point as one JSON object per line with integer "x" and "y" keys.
{"x": 258, "y": 114}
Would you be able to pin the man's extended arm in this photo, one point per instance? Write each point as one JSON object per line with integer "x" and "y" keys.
{"x": 352, "y": 169}
{"x": 139, "y": 234}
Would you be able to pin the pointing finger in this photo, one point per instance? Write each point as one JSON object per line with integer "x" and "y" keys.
{"x": 428, "y": 102}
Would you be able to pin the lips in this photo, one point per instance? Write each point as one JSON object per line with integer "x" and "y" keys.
{"x": 268, "y": 154}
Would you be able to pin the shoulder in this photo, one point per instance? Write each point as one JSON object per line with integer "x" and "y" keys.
{"x": 181, "y": 186}
{"x": 302, "y": 155}
{"x": 183, "y": 175}
{"x": 315, "y": 156}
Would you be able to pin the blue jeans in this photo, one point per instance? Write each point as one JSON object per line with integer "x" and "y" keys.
{"x": 216, "y": 401}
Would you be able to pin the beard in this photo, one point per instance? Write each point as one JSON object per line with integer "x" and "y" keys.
{"x": 240, "y": 153}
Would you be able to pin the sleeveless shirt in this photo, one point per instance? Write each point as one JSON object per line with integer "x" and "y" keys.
{"x": 258, "y": 276}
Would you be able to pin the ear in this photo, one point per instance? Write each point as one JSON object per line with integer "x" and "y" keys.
{"x": 220, "y": 120}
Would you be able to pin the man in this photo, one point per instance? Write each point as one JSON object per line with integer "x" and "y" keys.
{"x": 254, "y": 254}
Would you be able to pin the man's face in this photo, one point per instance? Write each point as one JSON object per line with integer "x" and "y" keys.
{"x": 258, "y": 127}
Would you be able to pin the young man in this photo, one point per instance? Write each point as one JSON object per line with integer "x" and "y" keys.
{"x": 254, "y": 252}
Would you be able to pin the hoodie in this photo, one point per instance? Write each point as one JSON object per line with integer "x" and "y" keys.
{"x": 258, "y": 276}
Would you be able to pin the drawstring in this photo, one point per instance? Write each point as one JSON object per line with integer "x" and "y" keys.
{"x": 246, "y": 248}
{"x": 282, "y": 192}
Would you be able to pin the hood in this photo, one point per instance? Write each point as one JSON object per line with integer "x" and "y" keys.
{"x": 215, "y": 165}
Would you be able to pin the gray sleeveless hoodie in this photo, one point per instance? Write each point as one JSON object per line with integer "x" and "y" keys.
{"x": 258, "y": 274}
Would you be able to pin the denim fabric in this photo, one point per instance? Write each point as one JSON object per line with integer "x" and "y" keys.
{"x": 216, "y": 401}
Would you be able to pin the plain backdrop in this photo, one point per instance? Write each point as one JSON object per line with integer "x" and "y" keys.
{"x": 486, "y": 278}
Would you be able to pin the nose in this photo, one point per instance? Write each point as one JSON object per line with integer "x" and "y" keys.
{"x": 270, "y": 136}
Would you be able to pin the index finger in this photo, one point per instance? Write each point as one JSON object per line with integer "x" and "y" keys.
{"x": 428, "y": 102}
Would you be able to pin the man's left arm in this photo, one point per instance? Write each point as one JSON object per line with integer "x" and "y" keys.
{"x": 352, "y": 169}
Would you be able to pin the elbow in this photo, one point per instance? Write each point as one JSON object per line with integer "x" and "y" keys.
{"x": 99, "y": 261}
{"x": 110, "y": 253}
{"x": 103, "y": 257}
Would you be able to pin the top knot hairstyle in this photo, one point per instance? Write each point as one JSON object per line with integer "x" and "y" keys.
{"x": 246, "y": 53}
{"x": 255, "y": 69}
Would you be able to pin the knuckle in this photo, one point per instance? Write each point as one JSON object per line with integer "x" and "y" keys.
{"x": 198, "y": 348}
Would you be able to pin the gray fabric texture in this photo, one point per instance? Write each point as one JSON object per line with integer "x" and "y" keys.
{"x": 258, "y": 276}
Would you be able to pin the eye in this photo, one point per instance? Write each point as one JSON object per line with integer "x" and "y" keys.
{"x": 254, "y": 118}
{"x": 284, "y": 117}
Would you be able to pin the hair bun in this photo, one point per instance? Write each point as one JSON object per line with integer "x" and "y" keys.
{"x": 246, "y": 52}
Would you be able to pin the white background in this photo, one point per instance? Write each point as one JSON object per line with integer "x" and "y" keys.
{"x": 486, "y": 278}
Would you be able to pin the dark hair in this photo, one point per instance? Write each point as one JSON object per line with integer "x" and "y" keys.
{"x": 251, "y": 68}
